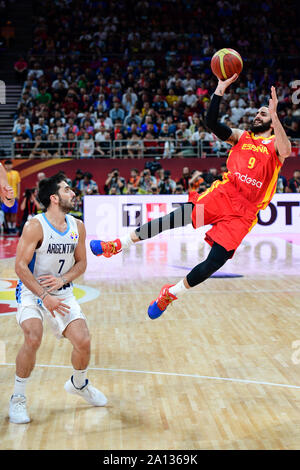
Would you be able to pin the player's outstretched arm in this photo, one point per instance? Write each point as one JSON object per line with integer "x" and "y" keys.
{"x": 222, "y": 131}
{"x": 282, "y": 144}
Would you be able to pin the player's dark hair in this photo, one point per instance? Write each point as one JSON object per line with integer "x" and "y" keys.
{"x": 49, "y": 186}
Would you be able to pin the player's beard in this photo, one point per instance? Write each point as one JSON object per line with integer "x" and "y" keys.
{"x": 260, "y": 127}
{"x": 65, "y": 205}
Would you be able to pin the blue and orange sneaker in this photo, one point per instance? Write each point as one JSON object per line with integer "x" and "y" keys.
{"x": 159, "y": 305}
{"x": 106, "y": 249}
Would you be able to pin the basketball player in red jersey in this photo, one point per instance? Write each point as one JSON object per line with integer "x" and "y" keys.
{"x": 230, "y": 205}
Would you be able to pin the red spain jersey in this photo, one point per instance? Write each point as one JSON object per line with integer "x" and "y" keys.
{"x": 253, "y": 168}
{"x": 231, "y": 205}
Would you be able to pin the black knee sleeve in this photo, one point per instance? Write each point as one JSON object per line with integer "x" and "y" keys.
{"x": 216, "y": 259}
{"x": 178, "y": 218}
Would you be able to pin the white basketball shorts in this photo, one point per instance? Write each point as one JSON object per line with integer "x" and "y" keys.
{"x": 29, "y": 308}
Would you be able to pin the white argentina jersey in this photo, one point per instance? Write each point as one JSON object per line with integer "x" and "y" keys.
{"x": 55, "y": 256}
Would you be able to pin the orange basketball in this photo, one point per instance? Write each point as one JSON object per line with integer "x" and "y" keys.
{"x": 225, "y": 63}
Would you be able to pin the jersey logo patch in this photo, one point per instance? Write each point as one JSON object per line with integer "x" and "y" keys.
{"x": 266, "y": 141}
{"x": 74, "y": 235}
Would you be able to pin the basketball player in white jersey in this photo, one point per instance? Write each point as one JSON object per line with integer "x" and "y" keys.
{"x": 50, "y": 255}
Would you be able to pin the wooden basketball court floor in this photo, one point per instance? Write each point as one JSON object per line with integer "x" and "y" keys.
{"x": 219, "y": 370}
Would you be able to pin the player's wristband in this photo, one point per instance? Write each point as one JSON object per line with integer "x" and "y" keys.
{"x": 64, "y": 280}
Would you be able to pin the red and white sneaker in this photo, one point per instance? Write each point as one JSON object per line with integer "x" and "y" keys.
{"x": 106, "y": 249}
{"x": 159, "y": 305}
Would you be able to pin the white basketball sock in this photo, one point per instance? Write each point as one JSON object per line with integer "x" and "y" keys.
{"x": 178, "y": 289}
{"x": 126, "y": 242}
{"x": 79, "y": 377}
{"x": 20, "y": 385}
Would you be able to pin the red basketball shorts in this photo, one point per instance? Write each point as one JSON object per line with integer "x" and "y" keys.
{"x": 230, "y": 215}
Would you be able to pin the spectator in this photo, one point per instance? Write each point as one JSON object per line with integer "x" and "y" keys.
{"x": 25, "y": 133}
{"x": 69, "y": 148}
{"x": 59, "y": 82}
{"x": 293, "y": 131}
{"x": 167, "y": 185}
{"x": 134, "y": 178}
{"x": 87, "y": 185}
{"x": 129, "y": 100}
{"x": 171, "y": 97}
{"x": 251, "y": 110}
{"x": 86, "y": 146}
{"x": 179, "y": 189}
{"x": 40, "y": 176}
{"x": 103, "y": 122}
{"x": 114, "y": 184}
{"x": 150, "y": 145}
{"x": 29, "y": 206}
{"x": 20, "y": 123}
{"x": 60, "y": 130}
{"x": 135, "y": 146}
{"x": 147, "y": 181}
{"x": 51, "y": 147}
{"x": 41, "y": 125}
{"x": 116, "y": 112}
{"x": 169, "y": 148}
{"x": 44, "y": 97}
{"x": 294, "y": 183}
{"x": 35, "y": 72}
{"x": 189, "y": 82}
{"x": 78, "y": 177}
{"x": 21, "y": 146}
{"x": 103, "y": 147}
{"x": 120, "y": 146}
{"x": 20, "y": 68}
{"x": 190, "y": 99}
{"x": 183, "y": 146}
{"x": 211, "y": 176}
{"x": 281, "y": 183}
{"x": 37, "y": 148}
{"x": 185, "y": 178}
{"x": 196, "y": 180}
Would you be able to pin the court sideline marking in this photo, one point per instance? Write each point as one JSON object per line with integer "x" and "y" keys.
{"x": 169, "y": 374}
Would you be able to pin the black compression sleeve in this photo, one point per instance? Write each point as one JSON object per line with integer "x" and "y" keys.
{"x": 178, "y": 218}
{"x": 216, "y": 259}
{"x": 220, "y": 130}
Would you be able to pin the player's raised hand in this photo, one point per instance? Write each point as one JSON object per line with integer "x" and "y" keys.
{"x": 273, "y": 102}
{"x": 223, "y": 84}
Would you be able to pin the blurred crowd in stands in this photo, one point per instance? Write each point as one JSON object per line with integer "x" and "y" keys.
{"x": 133, "y": 79}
